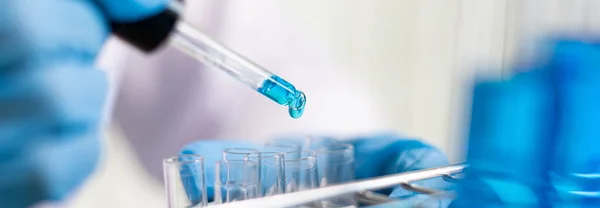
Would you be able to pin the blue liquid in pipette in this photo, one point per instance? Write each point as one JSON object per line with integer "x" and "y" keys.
{"x": 294, "y": 99}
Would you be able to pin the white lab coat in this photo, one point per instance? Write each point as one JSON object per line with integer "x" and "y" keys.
{"x": 167, "y": 99}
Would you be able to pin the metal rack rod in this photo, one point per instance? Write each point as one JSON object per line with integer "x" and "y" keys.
{"x": 304, "y": 197}
{"x": 373, "y": 198}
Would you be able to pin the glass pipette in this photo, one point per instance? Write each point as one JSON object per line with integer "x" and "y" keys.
{"x": 150, "y": 33}
{"x": 210, "y": 52}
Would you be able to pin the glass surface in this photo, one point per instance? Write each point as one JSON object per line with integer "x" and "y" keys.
{"x": 335, "y": 165}
{"x": 237, "y": 153}
{"x": 236, "y": 180}
{"x": 300, "y": 171}
{"x": 185, "y": 181}
{"x": 271, "y": 172}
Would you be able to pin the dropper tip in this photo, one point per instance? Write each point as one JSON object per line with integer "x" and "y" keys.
{"x": 296, "y": 106}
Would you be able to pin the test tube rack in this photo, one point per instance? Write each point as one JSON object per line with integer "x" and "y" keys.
{"x": 362, "y": 188}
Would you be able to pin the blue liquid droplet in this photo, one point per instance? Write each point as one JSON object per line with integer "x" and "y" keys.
{"x": 284, "y": 94}
{"x": 297, "y": 108}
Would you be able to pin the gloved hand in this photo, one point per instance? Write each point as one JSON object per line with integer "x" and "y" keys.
{"x": 385, "y": 154}
{"x": 51, "y": 96}
{"x": 375, "y": 155}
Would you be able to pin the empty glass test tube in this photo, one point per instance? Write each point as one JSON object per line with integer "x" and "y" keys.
{"x": 271, "y": 172}
{"x": 236, "y": 180}
{"x": 335, "y": 161}
{"x": 185, "y": 181}
{"x": 300, "y": 171}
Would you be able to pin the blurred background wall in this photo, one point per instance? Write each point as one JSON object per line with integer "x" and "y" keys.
{"x": 418, "y": 55}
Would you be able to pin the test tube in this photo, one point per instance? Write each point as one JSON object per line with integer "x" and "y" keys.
{"x": 271, "y": 172}
{"x": 335, "y": 161}
{"x": 150, "y": 33}
{"x": 185, "y": 181}
{"x": 236, "y": 180}
{"x": 237, "y": 153}
{"x": 300, "y": 171}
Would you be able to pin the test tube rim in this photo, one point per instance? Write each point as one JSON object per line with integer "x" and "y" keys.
{"x": 260, "y": 155}
{"x": 174, "y": 160}
{"x": 227, "y": 151}
{"x": 239, "y": 148}
{"x": 243, "y": 161}
{"x": 284, "y": 143}
{"x": 313, "y": 154}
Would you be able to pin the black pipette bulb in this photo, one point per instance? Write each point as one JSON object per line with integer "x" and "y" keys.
{"x": 150, "y": 33}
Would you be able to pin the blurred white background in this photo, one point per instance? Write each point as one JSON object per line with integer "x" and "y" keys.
{"x": 418, "y": 56}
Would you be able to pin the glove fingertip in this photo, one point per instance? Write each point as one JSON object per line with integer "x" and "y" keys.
{"x": 132, "y": 10}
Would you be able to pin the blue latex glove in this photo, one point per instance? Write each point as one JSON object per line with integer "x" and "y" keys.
{"x": 385, "y": 154}
{"x": 375, "y": 155}
{"x": 51, "y": 96}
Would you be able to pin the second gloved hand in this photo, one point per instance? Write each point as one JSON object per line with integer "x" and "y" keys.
{"x": 385, "y": 154}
